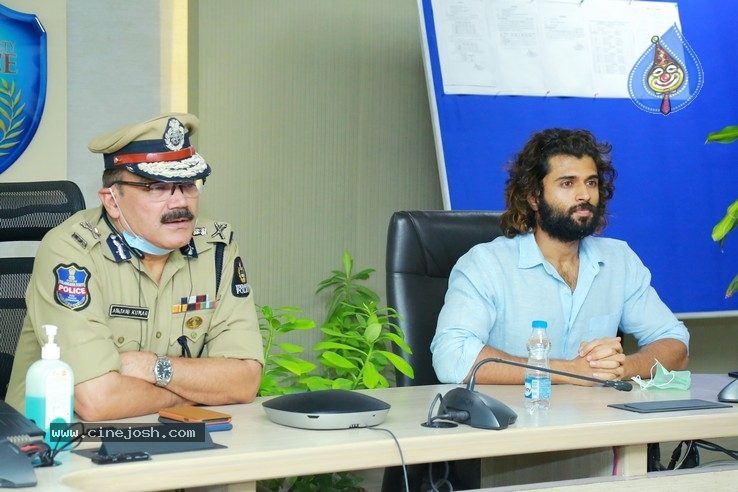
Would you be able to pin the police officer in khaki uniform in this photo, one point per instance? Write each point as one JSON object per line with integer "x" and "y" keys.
{"x": 152, "y": 303}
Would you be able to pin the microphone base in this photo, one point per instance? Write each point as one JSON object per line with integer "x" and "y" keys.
{"x": 483, "y": 411}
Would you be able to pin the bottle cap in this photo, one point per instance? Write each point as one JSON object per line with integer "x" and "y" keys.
{"x": 540, "y": 324}
{"x": 51, "y": 349}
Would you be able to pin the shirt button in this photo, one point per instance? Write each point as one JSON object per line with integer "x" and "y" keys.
{"x": 158, "y": 334}
{"x": 121, "y": 339}
{"x": 193, "y": 335}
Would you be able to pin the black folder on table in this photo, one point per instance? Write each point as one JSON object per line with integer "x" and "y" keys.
{"x": 152, "y": 446}
{"x": 668, "y": 405}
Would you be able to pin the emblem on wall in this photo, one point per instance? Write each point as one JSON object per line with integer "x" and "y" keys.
{"x": 667, "y": 76}
{"x": 22, "y": 82}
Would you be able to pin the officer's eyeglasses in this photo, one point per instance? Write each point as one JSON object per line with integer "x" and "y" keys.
{"x": 159, "y": 191}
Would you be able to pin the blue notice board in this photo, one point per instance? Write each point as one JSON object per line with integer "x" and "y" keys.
{"x": 671, "y": 187}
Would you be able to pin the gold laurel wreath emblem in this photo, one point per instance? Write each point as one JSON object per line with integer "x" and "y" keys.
{"x": 11, "y": 120}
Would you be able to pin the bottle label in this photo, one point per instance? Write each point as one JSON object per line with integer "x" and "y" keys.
{"x": 537, "y": 388}
{"x": 59, "y": 384}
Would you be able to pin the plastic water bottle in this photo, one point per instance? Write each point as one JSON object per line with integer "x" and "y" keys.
{"x": 50, "y": 390}
{"x": 538, "y": 383}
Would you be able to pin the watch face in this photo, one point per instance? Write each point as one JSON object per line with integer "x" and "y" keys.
{"x": 163, "y": 370}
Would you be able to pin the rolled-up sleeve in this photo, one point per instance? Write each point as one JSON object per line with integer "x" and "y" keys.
{"x": 463, "y": 324}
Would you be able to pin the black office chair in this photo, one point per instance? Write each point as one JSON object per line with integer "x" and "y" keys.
{"x": 27, "y": 211}
{"x": 422, "y": 248}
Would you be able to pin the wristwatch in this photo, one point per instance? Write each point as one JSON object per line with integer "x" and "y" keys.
{"x": 163, "y": 370}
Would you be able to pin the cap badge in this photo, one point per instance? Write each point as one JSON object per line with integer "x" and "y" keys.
{"x": 174, "y": 137}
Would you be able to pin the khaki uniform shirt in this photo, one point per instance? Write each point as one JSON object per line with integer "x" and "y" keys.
{"x": 95, "y": 289}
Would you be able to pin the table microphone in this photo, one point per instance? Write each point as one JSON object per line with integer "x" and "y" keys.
{"x": 466, "y": 406}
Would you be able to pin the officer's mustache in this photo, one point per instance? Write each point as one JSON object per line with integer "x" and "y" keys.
{"x": 177, "y": 215}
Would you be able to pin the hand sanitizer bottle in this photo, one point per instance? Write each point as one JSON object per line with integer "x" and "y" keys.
{"x": 50, "y": 392}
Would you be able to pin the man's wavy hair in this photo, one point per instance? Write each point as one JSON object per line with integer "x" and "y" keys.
{"x": 530, "y": 166}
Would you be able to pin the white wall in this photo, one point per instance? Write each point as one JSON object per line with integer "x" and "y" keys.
{"x": 316, "y": 121}
{"x": 114, "y": 73}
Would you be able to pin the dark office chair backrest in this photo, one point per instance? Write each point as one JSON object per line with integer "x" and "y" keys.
{"x": 422, "y": 248}
{"x": 27, "y": 211}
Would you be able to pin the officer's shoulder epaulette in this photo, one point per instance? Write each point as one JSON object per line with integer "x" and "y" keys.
{"x": 213, "y": 231}
{"x": 79, "y": 230}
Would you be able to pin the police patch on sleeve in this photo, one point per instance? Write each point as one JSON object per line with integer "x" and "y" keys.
{"x": 239, "y": 286}
{"x": 71, "y": 288}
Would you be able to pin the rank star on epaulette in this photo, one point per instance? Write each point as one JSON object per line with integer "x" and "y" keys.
{"x": 200, "y": 231}
{"x": 92, "y": 229}
{"x": 219, "y": 228}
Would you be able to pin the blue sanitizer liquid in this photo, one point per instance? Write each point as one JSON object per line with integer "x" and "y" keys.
{"x": 56, "y": 435}
{"x": 50, "y": 398}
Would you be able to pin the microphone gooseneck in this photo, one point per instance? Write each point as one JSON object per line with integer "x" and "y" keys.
{"x": 466, "y": 406}
{"x": 618, "y": 385}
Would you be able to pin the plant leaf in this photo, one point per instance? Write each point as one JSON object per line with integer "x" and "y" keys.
{"x": 726, "y": 135}
{"x": 726, "y": 224}
{"x": 301, "y": 324}
{"x": 732, "y": 287}
{"x": 398, "y": 341}
{"x": 314, "y": 383}
{"x": 348, "y": 263}
{"x": 293, "y": 364}
{"x": 371, "y": 376}
{"x": 401, "y": 364}
{"x": 373, "y": 330}
{"x": 342, "y": 383}
{"x": 336, "y": 360}
{"x": 326, "y": 345}
{"x": 291, "y": 348}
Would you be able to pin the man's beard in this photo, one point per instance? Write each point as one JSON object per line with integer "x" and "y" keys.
{"x": 562, "y": 226}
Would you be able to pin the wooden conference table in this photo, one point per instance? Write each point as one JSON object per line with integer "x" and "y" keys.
{"x": 579, "y": 418}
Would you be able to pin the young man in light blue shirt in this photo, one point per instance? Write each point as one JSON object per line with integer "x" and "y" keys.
{"x": 549, "y": 266}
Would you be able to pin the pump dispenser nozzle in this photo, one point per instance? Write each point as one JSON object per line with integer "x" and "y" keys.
{"x": 51, "y": 349}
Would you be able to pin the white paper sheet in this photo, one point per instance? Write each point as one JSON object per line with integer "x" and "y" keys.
{"x": 583, "y": 48}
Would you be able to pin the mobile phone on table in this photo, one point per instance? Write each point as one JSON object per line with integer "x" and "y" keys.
{"x": 209, "y": 426}
{"x": 192, "y": 413}
{"x": 733, "y": 374}
{"x": 109, "y": 459}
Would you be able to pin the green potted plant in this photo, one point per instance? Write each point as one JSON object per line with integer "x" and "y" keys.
{"x": 285, "y": 371}
{"x": 353, "y": 353}
{"x": 727, "y": 135}
{"x": 357, "y": 333}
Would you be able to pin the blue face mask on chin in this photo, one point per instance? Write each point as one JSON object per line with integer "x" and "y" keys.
{"x": 141, "y": 244}
{"x": 137, "y": 242}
